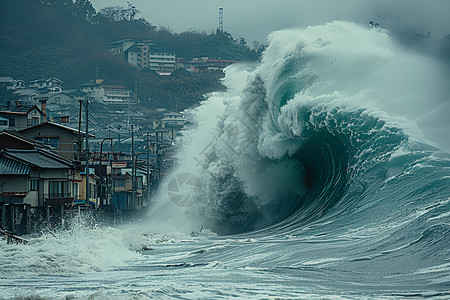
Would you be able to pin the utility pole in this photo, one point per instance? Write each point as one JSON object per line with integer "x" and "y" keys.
{"x": 133, "y": 186}
{"x": 87, "y": 152}
{"x": 138, "y": 205}
{"x": 148, "y": 168}
{"x": 80, "y": 102}
{"x": 99, "y": 188}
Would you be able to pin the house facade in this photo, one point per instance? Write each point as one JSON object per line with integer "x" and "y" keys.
{"x": 52, "y": 84}
{"x": 11, "y": 83}
{"x": 162, "y": 61}
{"x": 22, "y": 116}
{"x": 93, "y": 189}
{"x": 170, "y": 125}
{"x": 122, "y": 196}
{"x": 63, "y": 98}
{"x": 116, "y": 95}
{"x": 26, "y": 96}
{"x": 119, "y": 47}
{"x": 62, "y": 140}
{"x": 36, "y": 177}
{"x": 113, "y": 95}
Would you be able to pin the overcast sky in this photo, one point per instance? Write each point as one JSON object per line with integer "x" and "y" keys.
{"x": 255, "y": 19}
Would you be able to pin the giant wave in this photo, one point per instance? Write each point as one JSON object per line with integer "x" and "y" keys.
{"x": 339, "y": 136}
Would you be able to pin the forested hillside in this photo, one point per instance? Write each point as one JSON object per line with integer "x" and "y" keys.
{"x": 70, "y": 40}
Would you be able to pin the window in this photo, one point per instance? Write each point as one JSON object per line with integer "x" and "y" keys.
{"x": 3, "y": 123}
{"x": 34, "y": 184}
{"x": 12, "y": 122}
{"x": 34, "y": 121}
{"x": 57, "y": 189}
{"x": 53, "y": 142}
{"x": 119, "y": 182}
{"x": 75, "y": 189}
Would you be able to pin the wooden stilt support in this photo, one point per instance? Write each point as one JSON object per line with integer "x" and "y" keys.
{"x": 11, "y": 238}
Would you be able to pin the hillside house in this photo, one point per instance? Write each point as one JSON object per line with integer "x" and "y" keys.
{"x": 137, "y": 55}
{"x": 11, "y": 83}
{"x": 63, "y": 98}
{"x": 119, "y": 47}
{"x": 115, "y": 96}
{"x": 170, "y": 125}
{"x": 22, "y": 116}
{"x": 52, "y": 84}
{"x": 26, "y": 96}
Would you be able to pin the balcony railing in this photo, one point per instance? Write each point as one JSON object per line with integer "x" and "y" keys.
{"x": 58, "y": 198}
{"x": 58, "y": 195}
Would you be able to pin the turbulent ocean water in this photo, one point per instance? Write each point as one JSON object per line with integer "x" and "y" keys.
{"x": 322, "y": 172}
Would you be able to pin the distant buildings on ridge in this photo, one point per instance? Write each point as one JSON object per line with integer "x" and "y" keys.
{"x": 146, "y": 54}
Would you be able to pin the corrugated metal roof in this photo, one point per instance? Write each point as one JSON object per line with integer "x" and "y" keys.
{"x": 12, "y": 167}
{"x": 38, "y": 158}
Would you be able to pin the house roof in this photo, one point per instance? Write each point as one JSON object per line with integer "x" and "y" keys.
{"x": 26, "y": 92}
{"x": 12, "y": 167}
{"x": 113, "y": 87}
{"x": 20, "y": 109}
{"x": 75, "y": 92}
{"x": 37, "y": 158}
{"x": 122, "y": 41}
{"x": 6, "y": 79}
{"x": 70, "y": 93}
{"x": 15, "y": 135}
{"x": 133, "y": 48}
{"x": 89, "y": 84}
{"x": 73, "y": 130}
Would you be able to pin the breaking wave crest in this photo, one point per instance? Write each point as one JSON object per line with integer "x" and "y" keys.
{"x": 309, "y": 131}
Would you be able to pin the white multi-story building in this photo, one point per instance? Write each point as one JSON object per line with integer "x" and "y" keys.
{"x": 162, "y": 61}
{"x": 173, "y": 118}
{"x": 116, "y": 94}
{"x": 107, "y": 93}
{"x": 146, "y": 55}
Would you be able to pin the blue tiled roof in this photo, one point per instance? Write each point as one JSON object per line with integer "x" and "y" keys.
{"x": 11, "y": 167}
